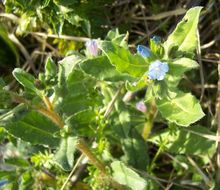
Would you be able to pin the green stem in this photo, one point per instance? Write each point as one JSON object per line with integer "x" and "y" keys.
{"x": 147, "y": 129}
{"x": 93, "y": 159}
{"x": 152, "y": 165}
{"x": 97, "y": 163}
{"x": 81, "y": 144}
{"x": 150, "y": 121}
{"x": 71, "y": 173}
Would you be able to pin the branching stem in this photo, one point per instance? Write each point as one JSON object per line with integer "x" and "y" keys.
{"x": 81, "y": 146}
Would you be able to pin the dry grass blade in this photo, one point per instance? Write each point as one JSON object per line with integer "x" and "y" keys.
{"x": 65, "y": 37}
{"x": 163, "y": 15}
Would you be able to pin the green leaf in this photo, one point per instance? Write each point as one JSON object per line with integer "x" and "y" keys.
{"x": 160, "y": 89}
{"x": 26, "y": 22}
{"x": 177, "y": 68}
{"x": 66, "y": 2}
{"x": 123, "y": 60}
{"x": 126, "y": 176}
{"x": 124, "y": 120}
{"x": 25, "y": 79}
{"x": 14, "y": 115}
{"x": 27, "y": 181}
{"x": 117, "y": 38}
{"x": 45, "y": 3}
{"x": 123, "y": 123}
{"x": 17, "y": 161}
{"x": 9, "y": 55}
{"x": 65, "y": 154}
{"x": 149, "y": 96}
{"x": 80, "y": 94}
{"x": 7, "y": 174}
{"x": 50, "y": 68}
{"x": 124, "y": 130}
{"x": 32, "y": 127}
{"x": 184, "y": 109}
{"x": 186, "y": 141}
{"x": 140, "y": 84}
{"x": 156, "y": 49}
{"x": 82, "y": 122}
{"x": 70, "y": 62}
{"x": 66, "y": 67}
{"x": 101, "y": 69}
{"x": 74, "y": 19}
{"x": 184, "y": 37}
{"x": 180, "y": 66}
{"x": 86, "y": 27}
{"x": 132, "y": 145}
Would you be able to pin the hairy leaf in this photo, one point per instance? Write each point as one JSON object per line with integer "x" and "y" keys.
{"x": 25, "y": 79}
{"x": 80, "y": 93}
{"x": 189, "y": 140}
{"x": 50, "y": 68}
{"x": 31, "y": 126}
{"x": 184, "y": 109}
{"x": 117, "y": 38}
{"x": 126, "y": 176}
{"x": 177, "y": 68}
{"x": 65, "y": 154}
{"x": 123, "y": 60}
{"x": 132, "y": 145}
{"x": 184, "y": 37}
{"x": 101, "y": 69}
{"x": 82, "y": 122}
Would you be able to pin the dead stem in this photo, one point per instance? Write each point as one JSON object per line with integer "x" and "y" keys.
{"x": 65, "y": 37}
{"x": 217, "y": 116}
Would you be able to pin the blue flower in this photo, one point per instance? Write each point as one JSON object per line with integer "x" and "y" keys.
{"x": 92, "y": 47}
{"x": 3, "y": 182}
{"x": 158, "y": 70}
{"x": 144, "y": 51}
{"x": 156, "y": 39}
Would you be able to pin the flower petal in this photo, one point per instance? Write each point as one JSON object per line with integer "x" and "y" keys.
{"x": 144, "y": 51}
{"x": 157, "y": 70}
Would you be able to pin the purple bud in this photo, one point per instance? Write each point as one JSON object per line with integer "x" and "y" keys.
{"x": 92, "y": 47}
{"x": 141, "y": 107}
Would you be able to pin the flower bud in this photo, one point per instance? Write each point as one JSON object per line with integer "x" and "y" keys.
{"x": 141, "y": 107}
{"x": 128, "y": 96}
{"x": 156, "y": 39}
{"x": 92, "y": 47}
{"x": 144, "y": 51}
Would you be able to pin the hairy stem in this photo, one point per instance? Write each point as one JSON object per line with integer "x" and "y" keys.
{"x": 152, "y": 165}
{"x": 47, "y": 102}
{"x": 81, "y": 146}
{"x": 95, "y": 161}
{"x": 149, "y": 124}
{"x": 52, "y": 115}
{"x": 71, "y": 173}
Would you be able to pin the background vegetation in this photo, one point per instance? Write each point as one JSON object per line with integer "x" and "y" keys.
{"x": 172, "y": 158}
